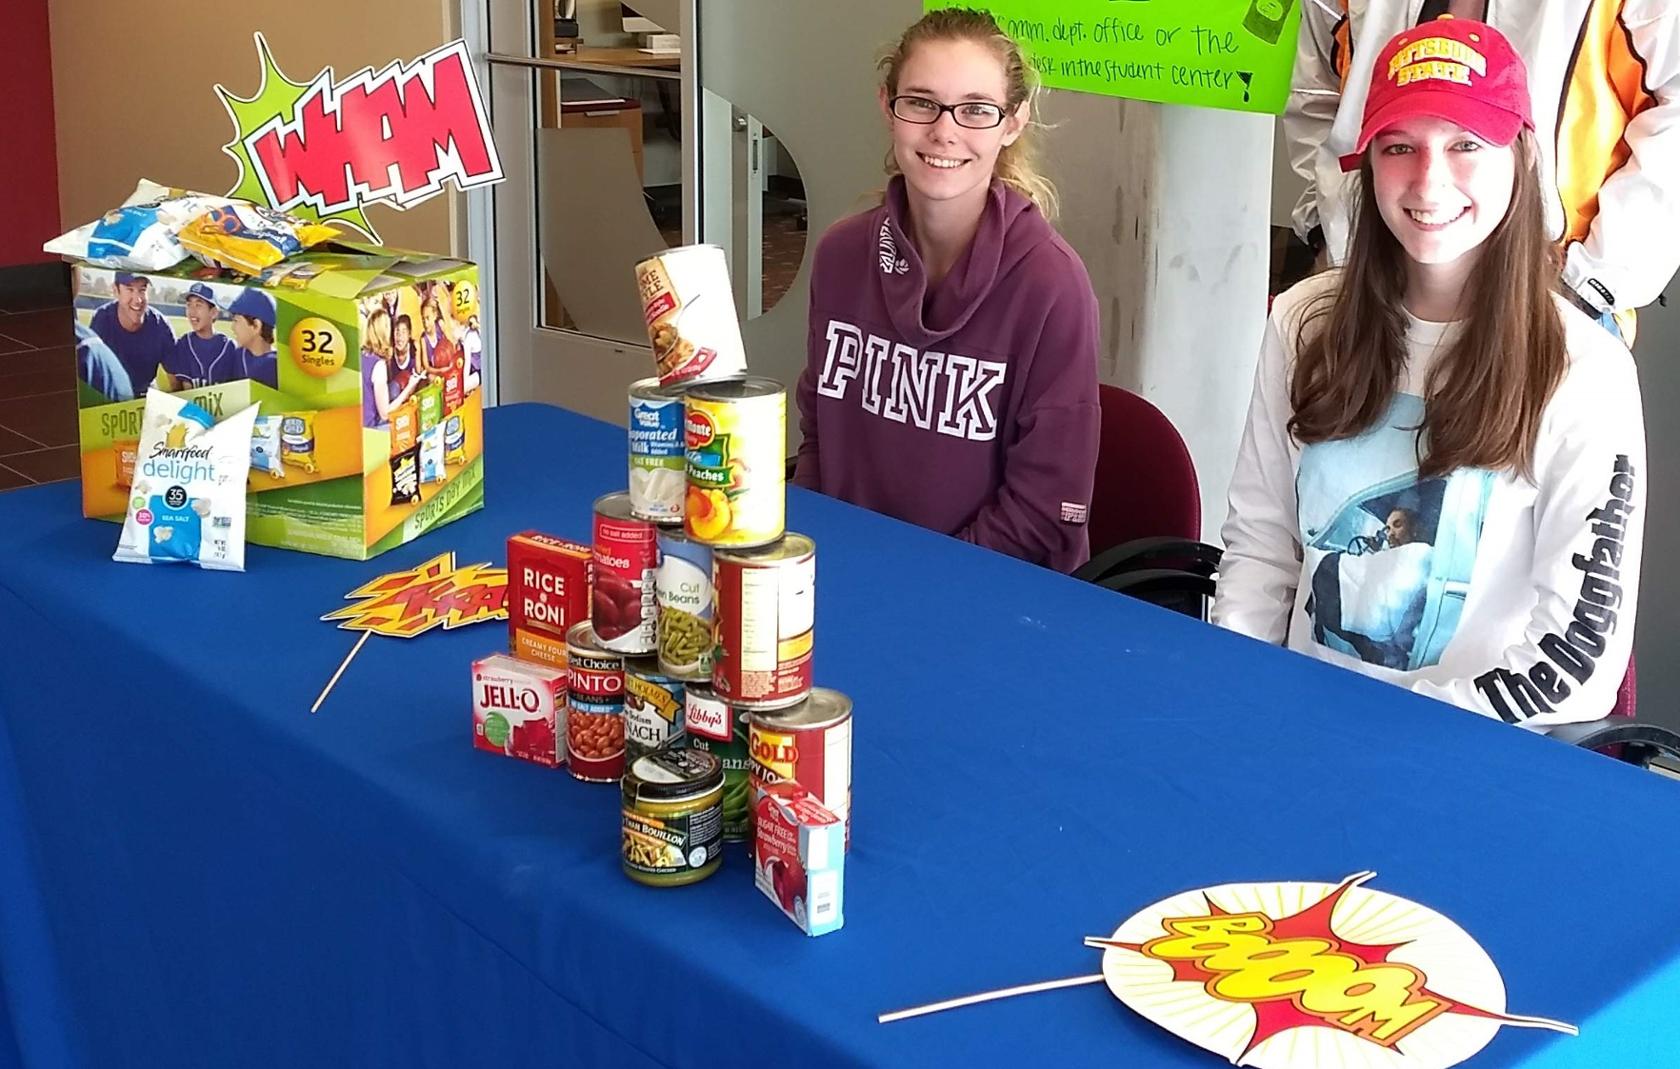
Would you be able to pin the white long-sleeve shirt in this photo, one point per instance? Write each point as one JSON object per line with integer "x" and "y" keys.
{"x": 1510, "y": 598}
{"x": 1605, "y": 80}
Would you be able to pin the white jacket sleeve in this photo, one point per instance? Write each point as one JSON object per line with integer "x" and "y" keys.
{"x": 1315, "y": 92}
{"x": 1630, "y": 253}
{"x": 1588, "y": 536}
{"x": 1262, "y": 563}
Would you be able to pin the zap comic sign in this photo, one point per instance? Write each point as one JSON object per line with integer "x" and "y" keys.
{"x": 434, "y": 593}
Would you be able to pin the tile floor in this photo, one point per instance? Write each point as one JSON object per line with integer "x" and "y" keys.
{"x": 37, "y": 389}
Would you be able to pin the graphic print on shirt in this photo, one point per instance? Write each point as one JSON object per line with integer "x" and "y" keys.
{"x": 1390, "y": 555}
{"x": 946, "y": 392}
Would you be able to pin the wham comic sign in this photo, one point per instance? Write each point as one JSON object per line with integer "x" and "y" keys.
{"x": 327, "y": 148}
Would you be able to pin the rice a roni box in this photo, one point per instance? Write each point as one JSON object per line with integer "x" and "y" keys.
{"x": 367, "y": 363}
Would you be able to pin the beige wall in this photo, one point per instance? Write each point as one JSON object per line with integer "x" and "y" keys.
{"x": 132, "y": 87}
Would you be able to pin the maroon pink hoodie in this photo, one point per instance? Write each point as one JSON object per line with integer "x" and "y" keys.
{"x": 970, "y": 409}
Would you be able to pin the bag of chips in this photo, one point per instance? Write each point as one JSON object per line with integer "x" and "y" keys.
{"x": 454, "y": 441}
{"x": 188, "y": 499}
{"x": 431, "y": 456}
{"x": 265, "y": 446}
{"x": 142, "y": 234}
{"x": 405, "y": 477}
{"x": 297, "y": 439}
{"x": 247, "y": 238}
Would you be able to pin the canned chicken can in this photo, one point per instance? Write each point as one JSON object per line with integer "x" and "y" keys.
{"x": 626, "y": 555}
{"x": 764, "y": 612}
{"x": 658, "y": 457}
{"x": 690, "y": 312}
{"x": 685, "y": 606}
{"x": 672, "y": 817}
{"x": 595, "y": 694}
{"x": 653, "y": 707}
{"x": 736, "y": 437}
{"x": 811, "y": 744}
{"x": 720, "y": 729}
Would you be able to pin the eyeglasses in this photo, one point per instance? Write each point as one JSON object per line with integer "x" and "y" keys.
{"x": 971, "y": 114}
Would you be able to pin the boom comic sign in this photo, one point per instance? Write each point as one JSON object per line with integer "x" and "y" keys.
{"x": 326, "y": 149}
{"x": 1307, "y": 974}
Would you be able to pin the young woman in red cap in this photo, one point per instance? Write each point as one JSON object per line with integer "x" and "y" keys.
{"x": 1442, "y": 481}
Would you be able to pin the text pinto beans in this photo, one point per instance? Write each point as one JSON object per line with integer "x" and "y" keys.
{"x": 595, "y": 725}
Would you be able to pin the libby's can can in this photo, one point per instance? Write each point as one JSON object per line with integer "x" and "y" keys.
{"x": 658, "y": 456}
{"x": 595, "y": 696}
{"x": 811, "y": 744}
{"x": 764, "y": 612}
{"x": 685, "y": 606}
{"x": 625, "y": 551}
{"x": 689, "y": 308}
{"x": 653, "y": 707}
{"x": 720, "y": 729}
{"x": 736, "y": 438}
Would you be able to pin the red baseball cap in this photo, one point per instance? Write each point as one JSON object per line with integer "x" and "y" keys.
{"x": 1454, "y": 69}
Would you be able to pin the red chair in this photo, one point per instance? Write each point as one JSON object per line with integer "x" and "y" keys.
{"x": 1146, "y": 482}
{"x": 1146, "y": 510}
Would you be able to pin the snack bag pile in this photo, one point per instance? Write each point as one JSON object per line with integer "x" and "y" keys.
{"x": 141, "y": 235}
{"x": 159, "y": 226}
{"x": 188, "y": 499}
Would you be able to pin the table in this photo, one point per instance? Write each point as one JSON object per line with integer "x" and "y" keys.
{"x": 197, "y": 872}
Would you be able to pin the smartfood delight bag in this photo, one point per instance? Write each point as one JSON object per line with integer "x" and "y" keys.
{"x": 188, "y": 499}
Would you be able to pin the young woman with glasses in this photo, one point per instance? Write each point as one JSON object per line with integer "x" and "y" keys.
{"x": 952, "y": 357}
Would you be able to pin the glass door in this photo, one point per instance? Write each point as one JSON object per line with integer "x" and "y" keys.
{"x": 752, "y": 128}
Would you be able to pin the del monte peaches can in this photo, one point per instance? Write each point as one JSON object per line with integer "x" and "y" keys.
{"x": 736, "y": 434}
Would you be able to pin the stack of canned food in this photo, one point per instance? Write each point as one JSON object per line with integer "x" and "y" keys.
{"x": 690, "y": 680}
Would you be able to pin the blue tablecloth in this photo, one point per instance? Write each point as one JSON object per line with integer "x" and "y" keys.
{"x": 196, "y": 872}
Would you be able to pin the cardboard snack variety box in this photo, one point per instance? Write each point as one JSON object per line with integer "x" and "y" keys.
{"x": 367, "y": 363}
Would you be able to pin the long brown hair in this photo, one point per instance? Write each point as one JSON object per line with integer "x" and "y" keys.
{"x": 1484, "y": 398}
{"x": 1017, "y": 164}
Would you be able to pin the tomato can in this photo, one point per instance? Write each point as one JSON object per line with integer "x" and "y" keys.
{"x": 689, "y": 307}
{"x": 764, "y": 612}
{"x": 653, "y": 707}
{"x": 658, "y": 457}
{"x": 672, "y": 818}
{"x": 685, "y": 606}
{"x": 626, "y": 556}
{"x": 595, "y": 695}
{"x": 811, "y": 744}
{"x": 736, "y": 438}
{"x": 720, "y": 729}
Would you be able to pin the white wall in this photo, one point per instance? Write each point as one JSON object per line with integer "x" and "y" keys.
{"x": 1657, "y": 350}
{"x": 1169, "y": 209}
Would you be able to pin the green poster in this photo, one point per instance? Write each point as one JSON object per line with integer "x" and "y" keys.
{"x": 1234, "y": 54}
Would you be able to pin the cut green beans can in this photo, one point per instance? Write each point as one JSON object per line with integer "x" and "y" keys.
{"x": 719, "y": 728}
{"x": 684, "y": 582}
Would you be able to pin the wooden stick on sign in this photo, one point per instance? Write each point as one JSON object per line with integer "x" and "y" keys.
{"x": 988, "y": 996}
{"x": 357, "y": 648}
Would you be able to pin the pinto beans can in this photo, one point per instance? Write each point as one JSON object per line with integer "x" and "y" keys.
{"x": 658, "y": 458}
{"x": 763, "y": 615}
{"x": 736, "y": 438}
{"x": 624, "y": 608}
{"x": 811, "y": 744}
{"x": 685, "y": 607}
{"x": 653, "y": 707}
{"x": 690, "y": 312}
{"x": 595, "y": 695}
